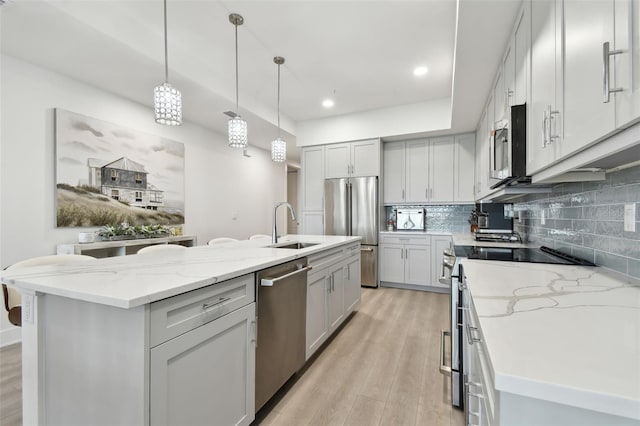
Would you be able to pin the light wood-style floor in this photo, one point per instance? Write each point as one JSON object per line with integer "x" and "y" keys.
{"x": 11, "y": 385}
{"x": 380, "y": 369}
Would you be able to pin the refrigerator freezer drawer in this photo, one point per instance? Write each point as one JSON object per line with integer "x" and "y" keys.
{"x": 369, "y": 265}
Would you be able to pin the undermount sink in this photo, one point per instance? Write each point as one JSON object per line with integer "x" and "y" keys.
{"x": 293, "y": 245}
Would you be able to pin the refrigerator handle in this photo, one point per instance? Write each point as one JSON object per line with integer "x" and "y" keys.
{"x": 350, "y": 208}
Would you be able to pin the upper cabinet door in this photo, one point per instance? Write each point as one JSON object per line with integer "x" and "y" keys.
{"x": 509, "y": 78}
{"x": 338, "y": 160}
{"x": 417, "y": 171}
{"x": 442, "y": 169}
{"x": 312, "y": 178}
{"x": 393, "y": 172}
{"x": 499, "y": 97}
{"x": 365, "y": 158}
{"x": 521, "y": 47}
{"x": 464, "y": 166}
{"x": 543, "y": 127}
{"x": 627, "y": 65}
{"x": 588, "y": 25}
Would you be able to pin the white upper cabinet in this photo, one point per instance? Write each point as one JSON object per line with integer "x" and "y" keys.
{"x": 338, "y": 162}
{"x": 417, "y": 171}
{"x": 588, "y": 26}
{"x": 393, "y": 172}
{"x": 509, "y": 78}
{"x": 499, "y": 103}
{"x": 520, "y": 47}
{"x": 627, "y": 65}
{"x": 482, "y": 149}
{"x": 545, "y": 113}
{"x": 312, "y": 178}
{"x": 428, "y": 170}
{"x": 441, "y": 169}
{"x": 464, "y": 165}
{"x": 353, "y": 159}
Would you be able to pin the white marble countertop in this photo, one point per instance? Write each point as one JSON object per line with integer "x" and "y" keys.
{"x": 568, "y": 334}
{"x": 130, "y": 281}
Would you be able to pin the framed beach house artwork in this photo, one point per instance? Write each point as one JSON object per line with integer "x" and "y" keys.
{"x": 108, "y": 174}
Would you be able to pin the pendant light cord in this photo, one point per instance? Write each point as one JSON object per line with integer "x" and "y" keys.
{"x": 278, "y": 100}
{"x": 237, "y": 112}
{"x": 166, "y": 55}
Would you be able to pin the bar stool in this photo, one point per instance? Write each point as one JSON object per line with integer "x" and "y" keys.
{"x": 12, "y": 299}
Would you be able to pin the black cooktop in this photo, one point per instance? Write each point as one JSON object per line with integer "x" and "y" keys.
{"x": 530, "y": 255}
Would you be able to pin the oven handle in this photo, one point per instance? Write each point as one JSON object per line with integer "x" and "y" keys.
{"x": 444, "y": 369}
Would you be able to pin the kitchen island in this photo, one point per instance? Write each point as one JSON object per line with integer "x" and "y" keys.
{"x": 552, "y": 344}
{"x": 94, "y": 335}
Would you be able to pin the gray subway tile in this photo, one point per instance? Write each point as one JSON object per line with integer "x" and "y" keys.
{"x": 616, "y": 212}
{"x": 584, "y": 226}
{"x": 616, "y": 194}
{"x": 611, "y": 261}
{"x": 571, "y": 213}
{"x": 596, "y": 212}
{"x": 633, "y": 193}
{"x": 597, "y": 242}
{"x": 583, "y": 252}
{"x": 624, "y": 247}
{"x": 609, "y": 228}
{"x": 634, "y": 268}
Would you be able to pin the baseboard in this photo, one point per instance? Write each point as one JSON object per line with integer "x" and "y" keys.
{"x": 10, "y": 336}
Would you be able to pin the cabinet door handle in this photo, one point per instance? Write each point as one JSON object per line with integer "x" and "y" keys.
{"x": 406, "y": 253}
{"x": 208, "y": 306}
{"x": 328, "y": 282}
{"x": 403, "y": 194}
{"x": 426, "y": 193}
{"x": 470, "y": 337}
{"x": 606, "y": 53}
{"x": 545, "y": 121}
{"x": 401, "y": 253}
{"x": 551, "y": 114}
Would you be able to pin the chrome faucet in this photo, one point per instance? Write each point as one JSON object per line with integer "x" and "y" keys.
{"x": 274, "y": 234}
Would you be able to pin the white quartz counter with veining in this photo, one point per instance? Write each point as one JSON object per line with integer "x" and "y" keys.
{"x": 568, "y": 334}
{"x": 466, "y": 239}
{"x": 130, "y": 281}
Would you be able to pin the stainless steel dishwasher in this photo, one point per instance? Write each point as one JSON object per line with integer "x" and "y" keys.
{"x": 282, "y": 310}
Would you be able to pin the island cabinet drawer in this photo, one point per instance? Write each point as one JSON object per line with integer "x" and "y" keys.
{"x": 176, "y": 315}
{"x": 420, "y": 240}
{"x": 326, "y": 258}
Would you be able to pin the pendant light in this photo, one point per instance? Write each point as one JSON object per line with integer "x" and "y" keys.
{"x": 167, "y": 99}
{"x": 237, "y": 126}
{"x": 278, "y": 146}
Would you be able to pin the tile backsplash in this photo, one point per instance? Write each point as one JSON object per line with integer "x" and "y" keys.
{"x": 586, "y": 219}
{"x": 441, "y": 218}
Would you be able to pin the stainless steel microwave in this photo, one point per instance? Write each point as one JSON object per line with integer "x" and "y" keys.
{"x": 509, "y": 148}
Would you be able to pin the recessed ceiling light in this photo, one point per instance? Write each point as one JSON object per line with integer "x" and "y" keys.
{"x": 420, "y": 71}
{"x": 327, "y": 103}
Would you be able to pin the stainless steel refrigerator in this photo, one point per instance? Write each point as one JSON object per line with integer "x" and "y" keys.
{"x": 351, "y": 208}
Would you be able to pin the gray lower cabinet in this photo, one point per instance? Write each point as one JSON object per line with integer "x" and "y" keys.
{"x": 333, "y": 292}
{"x": 205, "y": 376}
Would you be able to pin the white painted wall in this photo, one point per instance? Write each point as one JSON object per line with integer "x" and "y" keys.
{"x": 380, "y": 123}
{"x": 219, "y": 181}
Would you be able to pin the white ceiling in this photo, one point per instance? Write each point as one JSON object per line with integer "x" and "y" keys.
{"x": 360, "y": 53}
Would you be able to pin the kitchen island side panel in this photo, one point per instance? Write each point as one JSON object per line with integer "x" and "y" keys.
{"x": 95, "y": 360}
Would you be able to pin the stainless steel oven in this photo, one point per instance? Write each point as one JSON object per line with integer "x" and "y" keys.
{"x": 450, "y": 265}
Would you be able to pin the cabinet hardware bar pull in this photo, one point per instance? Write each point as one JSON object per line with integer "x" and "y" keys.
{"x": 444, "y": 369}
{"x": 544, "y": 128}
{"x": 606, "y": 69}
{"x": 470, "y": 337}
{"x": 476, "y": 384}
{"x": 206, "y": 306}
{"x": 551, "y": 114}
{"x": 268, "y": 282}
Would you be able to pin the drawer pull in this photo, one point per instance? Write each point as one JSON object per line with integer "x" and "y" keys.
{"x": 208, "y": 306}
{"x": 368, "y": 250}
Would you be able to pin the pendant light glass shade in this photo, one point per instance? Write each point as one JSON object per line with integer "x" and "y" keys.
{"x": 278, "y": 146}
{"x": 167, "y": 100}
{"x": 238, "y": 137}
{"x": 237, "y": 132}
{"x": 168, "y": 105}
{"x": 279, "y": 150}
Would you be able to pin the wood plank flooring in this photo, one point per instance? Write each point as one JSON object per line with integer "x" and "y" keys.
{"x": 380, "y": 369}
{"x": 11, "y": 385}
